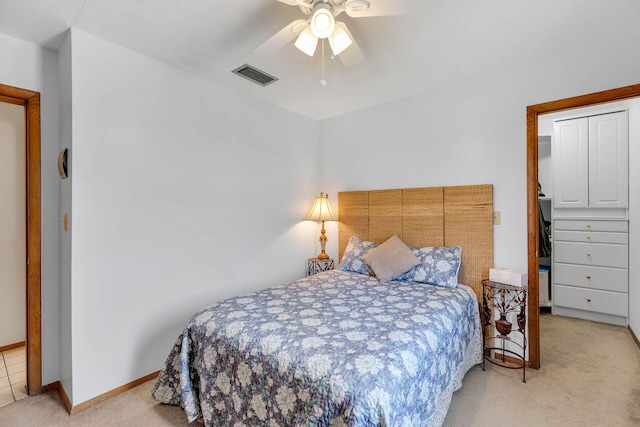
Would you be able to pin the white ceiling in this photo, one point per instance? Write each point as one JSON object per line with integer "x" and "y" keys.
{"x": 440, "y": 42}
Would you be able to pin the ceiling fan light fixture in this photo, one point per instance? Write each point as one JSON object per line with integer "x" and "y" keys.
{"x": 322, "y": 22}
{"x": 307, "y": 41}
{"x": 339, "y": 40}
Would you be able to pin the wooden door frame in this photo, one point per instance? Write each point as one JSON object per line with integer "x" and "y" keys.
{"x": 533, "y": 111}
{"x": 31, "y": 102}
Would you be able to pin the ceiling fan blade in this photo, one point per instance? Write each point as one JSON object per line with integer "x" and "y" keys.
{"x": 358, "y": 9}
{"x": 351, "y": 55}
{"x": 282, "y": 37}
{"x": 304, "y": 3}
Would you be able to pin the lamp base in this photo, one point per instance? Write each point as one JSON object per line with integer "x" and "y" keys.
{"x": 323, "y": 244}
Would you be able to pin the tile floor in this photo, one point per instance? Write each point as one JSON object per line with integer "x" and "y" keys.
{"x": 13, "y": 375}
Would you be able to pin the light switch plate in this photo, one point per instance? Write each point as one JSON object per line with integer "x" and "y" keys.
{"x": 496, "y": 217}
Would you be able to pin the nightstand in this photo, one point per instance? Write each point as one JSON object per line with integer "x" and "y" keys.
{"x": 317, "y": 265}
{"x": 505, "y": 335}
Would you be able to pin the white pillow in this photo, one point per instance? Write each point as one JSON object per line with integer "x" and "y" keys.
{"x": 390, "y": 259}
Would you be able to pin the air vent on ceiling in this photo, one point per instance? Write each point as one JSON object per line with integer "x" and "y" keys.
{"x": 255, "y": 75}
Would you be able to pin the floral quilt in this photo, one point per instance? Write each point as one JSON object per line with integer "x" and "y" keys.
{"x": 334, "y": 349}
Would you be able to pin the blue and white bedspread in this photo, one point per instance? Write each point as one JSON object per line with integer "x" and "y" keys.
{"x": 333, "y": 349}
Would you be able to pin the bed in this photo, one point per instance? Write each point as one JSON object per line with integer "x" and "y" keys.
{"x": 342, "y": 348}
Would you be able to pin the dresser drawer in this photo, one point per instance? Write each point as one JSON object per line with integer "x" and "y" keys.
{"x": 591, "y": 254}
{"x": 613, "y": 303}
{"x": 586, "y": 276}
{"x": 590, "y": 225}
{"x": 591, "y": 237}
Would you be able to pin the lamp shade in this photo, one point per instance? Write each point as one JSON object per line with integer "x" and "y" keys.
{"x": 307, "y": 41}
{"x": 339, "y": 40}
{"x": 321, "y": 210}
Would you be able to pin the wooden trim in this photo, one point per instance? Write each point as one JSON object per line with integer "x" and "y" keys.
{"x": 65, "y": 398}
{"x": 34, "y": 268}
{"x": 53, "y": 386}
{"x": 11, "y": 100}
{"x": 532, "y": 238}
{"x": 12, "y": 346}
{"x": 56, "y": 386}
{"x": 108, "y": 395}
{"x": 533, "y": 112}
{"x": 16, "y": 92}
{"x": 31, "y": 102}
{"x": 634, "y": 336}
{"x": 72, "y": 410}
{"x": 611, "y": 95}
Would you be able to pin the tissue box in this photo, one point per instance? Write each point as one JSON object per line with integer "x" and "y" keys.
{"x": 510, "y": 277}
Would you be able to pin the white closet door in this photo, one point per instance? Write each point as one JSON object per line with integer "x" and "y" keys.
{"x": 571, "y": 163}
{"x": 609, "y": 164}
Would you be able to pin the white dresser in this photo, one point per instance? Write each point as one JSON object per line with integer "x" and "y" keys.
{"x": 590, "y": 217}
{"x": 591, "y": 261}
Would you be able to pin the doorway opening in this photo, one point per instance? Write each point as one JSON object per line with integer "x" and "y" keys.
{"x": 31, "y": 102}
{"x": 533, "y": 111}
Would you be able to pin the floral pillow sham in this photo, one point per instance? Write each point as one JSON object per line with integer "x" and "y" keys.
{"x": 438, "y": 266}
{"x": 352, "y": 258}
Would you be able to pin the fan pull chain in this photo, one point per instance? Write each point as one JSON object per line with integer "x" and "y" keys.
{"x": 323, "y": 82}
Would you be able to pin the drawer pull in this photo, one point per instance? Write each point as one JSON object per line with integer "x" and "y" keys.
{"x": 588, "y": 277}
{"x": 588, "y": 253}
{"x": 588, "y": 237}
{"x": 588, "y": 299}
{"x": 589, "y": 225}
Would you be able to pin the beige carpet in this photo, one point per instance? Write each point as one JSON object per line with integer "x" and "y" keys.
{"x": 590, "y": 376}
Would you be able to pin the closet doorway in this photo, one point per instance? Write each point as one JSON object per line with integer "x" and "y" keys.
{"x": 533, "y": 112}
{"x": 30, "y": 100}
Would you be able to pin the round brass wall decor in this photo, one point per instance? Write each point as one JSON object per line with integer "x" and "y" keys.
{"x": 62, "y": 163}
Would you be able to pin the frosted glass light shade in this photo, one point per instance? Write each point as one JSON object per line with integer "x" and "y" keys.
{"x": 307, "y": 41}
{"x": 322, "y": 22}
{"x": 340, "y": 40}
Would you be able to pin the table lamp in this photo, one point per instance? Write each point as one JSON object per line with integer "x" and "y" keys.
{"x": 321, "y": 211}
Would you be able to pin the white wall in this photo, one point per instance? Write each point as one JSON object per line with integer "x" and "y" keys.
{"x": 31, "y": 67}
{"x": 21, "y": 64}
{"x": 184, "y": 193}
{"x": 64, "y": 296}
{"x": 472, "y": 133}
{"x": 13, "y": 274}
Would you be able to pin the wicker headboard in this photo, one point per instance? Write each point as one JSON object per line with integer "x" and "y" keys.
{"x": 432, "y": 216}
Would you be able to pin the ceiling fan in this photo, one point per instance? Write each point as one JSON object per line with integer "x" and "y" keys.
{"x": 321, "y": 24}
